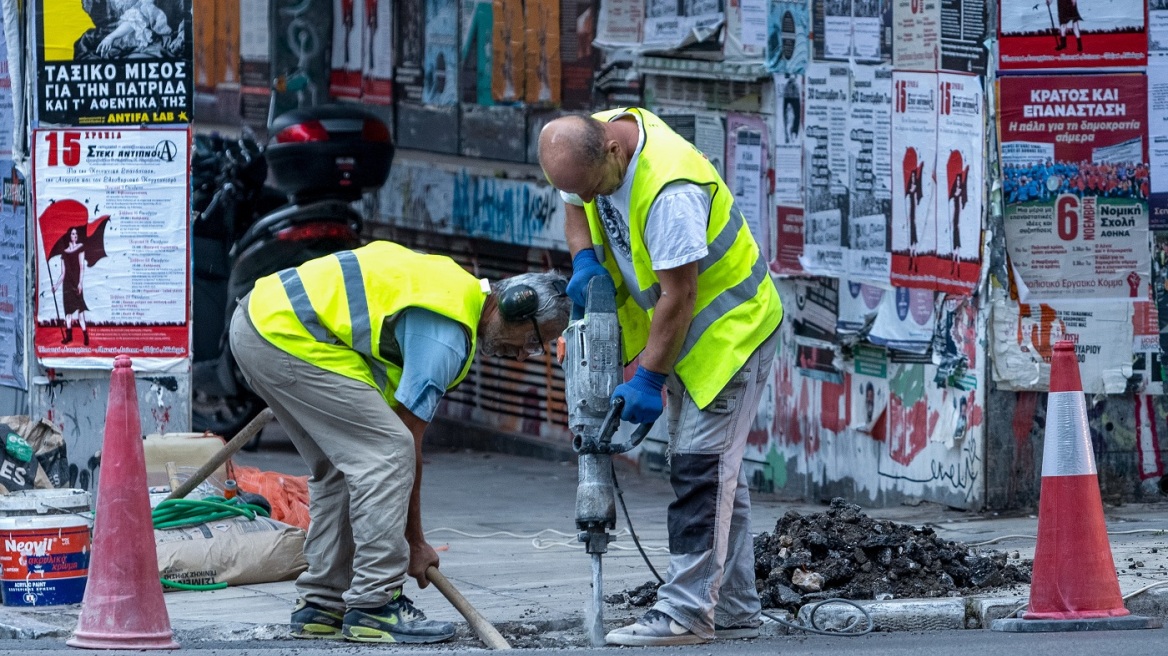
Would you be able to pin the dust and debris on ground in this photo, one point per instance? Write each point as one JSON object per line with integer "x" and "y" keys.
{"x": 843, "y": 553}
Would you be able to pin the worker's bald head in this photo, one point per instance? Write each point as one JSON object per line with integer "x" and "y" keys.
{"x": 571, "y": 147}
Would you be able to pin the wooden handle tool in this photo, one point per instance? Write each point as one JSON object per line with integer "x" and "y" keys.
{"x": 485, "y": 631}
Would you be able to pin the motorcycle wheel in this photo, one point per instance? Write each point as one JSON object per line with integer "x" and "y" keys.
{"x": 225, "y": 416}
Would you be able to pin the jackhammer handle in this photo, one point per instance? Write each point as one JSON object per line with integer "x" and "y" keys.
{"x": 482, "y": 628}
{"x": 637, "y": 437}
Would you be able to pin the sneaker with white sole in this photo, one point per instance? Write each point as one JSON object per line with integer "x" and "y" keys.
{"x": 654, "y": 629}
{"x": 743, "y": 631}
{"x": 315, "y": 622}
{"x": 397, "y": 621}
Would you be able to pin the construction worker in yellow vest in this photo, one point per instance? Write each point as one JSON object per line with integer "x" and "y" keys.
{"x": 697, "y": 304}
{"x": 353, "y": 351}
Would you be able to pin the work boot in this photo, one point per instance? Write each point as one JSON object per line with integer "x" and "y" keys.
{"x": 68, "y": 336}
{"x": 397, "y": 621}
{"x": 654, "y": 629}
{"x": 1079, "y": 40}
{"x": 740, "y": 631}
{"x": 85, "y": 337}
{"x": 315, "y": 622}
{"x": 1062, "y": 43}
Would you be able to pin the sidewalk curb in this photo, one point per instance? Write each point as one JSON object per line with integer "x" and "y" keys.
{"x": 15, "y": 625}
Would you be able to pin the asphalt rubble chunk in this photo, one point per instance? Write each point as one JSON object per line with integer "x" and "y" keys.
{"x": 843, "y": 553}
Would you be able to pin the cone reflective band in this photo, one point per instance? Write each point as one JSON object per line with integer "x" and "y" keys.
{"x": 1074, "y": 574}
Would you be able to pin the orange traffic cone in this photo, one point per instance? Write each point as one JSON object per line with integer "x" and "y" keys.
{"x": 1073, "y": 586}
{"x": 123, "y": 606}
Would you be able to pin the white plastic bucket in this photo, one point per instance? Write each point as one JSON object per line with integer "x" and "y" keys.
{"x": 44, "y": 547}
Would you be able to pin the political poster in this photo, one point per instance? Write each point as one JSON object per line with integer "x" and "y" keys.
{"x": 677, "y": 24}
{"x": 870, "y": 391}
{"x": 914, "y": 178}
{"x": 871, "y": 28}
{"x": 13, "y": 292}
{"x": 964, "y": 32}
{"x": 1045, "y": 34}
{"x": 917, "y": 26}
{"x": 832, "y": 29}
{"x": 858, "y": 305}
{"x": 869, "y": 169}
{"x": 1158, "y": 142}
{"x": 788, "y": 163}
{"x": 1025, "y": 334}
{"x": 960, "y": 182}
{"x": 377, "y": 62}
{"x": 825, "y": 158}
{"x": 1157, "y": 27}
{"x": 747, "y": 167}
{"x": 111, "y": 210}
{"x": 904, "y": 321}
{"x": 788, "y": 249}
{"x": 788, "y": 36}
{"x": 348, "y": 49}
{"x": 1075, "y": 184}
{"x": 113, "y": 62}
{"x": 814, "y": 316}
{"x": 620, "y": 23}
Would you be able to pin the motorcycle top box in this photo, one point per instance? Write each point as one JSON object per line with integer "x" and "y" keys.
{"x": 330, "y": 150}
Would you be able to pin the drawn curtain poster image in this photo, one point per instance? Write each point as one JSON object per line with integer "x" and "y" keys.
{"x": 1040, "y": 34}
{"x": 114, "y": 62}
{"x": 1075, "y": 183}
{"x": 825, "y": 157}
{"x": 13, "y": 295}
{"x": 746, "y": 155}
{"x": 377, "y": 60}
{"x": 111, "y": 210}
{"x": 348, "y": 40}
{"x": 788, "y": 36}
{"x": 914, "y": 177}
{"x": 917, "y": 25}
{"x": 869, "y": 163}
{"x": 960, "y": 157}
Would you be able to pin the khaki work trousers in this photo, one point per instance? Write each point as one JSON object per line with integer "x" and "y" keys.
{"x": 361, "y": 459}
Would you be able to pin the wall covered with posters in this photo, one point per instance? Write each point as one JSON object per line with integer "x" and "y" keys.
{"x": 943, "y": 188}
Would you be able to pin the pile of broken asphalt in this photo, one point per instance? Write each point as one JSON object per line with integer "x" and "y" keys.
{"x": 505, "y": 531}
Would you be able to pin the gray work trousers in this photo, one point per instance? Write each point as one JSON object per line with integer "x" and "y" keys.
{"x": 711, "y": 561}
{"x": 361, "y": 459}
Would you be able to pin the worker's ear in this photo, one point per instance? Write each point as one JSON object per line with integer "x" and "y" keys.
{"x": 518, "y": 303}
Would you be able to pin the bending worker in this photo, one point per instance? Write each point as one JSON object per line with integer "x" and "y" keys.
{"x": 697, "y": 303}
{"x": 353, "y": 351}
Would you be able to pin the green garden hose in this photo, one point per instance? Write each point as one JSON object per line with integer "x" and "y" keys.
{"x": 173, "y": 513}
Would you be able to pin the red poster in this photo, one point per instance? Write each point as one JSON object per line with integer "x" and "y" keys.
{"x": 1044, "y": 34}
{"x": 789, "y": 241}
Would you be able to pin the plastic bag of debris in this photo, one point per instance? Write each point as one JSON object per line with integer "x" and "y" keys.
{"x": 34, "y": 455}
{"x": 235, "y": 551}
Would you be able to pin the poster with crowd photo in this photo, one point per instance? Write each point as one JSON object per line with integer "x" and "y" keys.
{"x": 114, "y": 62}
{"x": 960, "y": 182}
{"x": 917, "y": 26}
{"x": 377, "y": 60}
{"x": 964, "y": 31}
{"x": 676, "y": 24}
{"x": 904, "y": 321}
{"x": 746, "y": 171}
{"x": 814, "y": 316}
{"x": 914, "y": 178}
{"x": 1158, "y": 142}
{"x": 1044, "y": 34}
{"x": 788, "y": 36}
{"x": 13, "y": 280}
{"x": 111, "y": 209}
{"x": 348, "y": 39}
{"x": 870, "y": 170}
{"x": 825, "y": 158}
{"x": 1075, "y": 183}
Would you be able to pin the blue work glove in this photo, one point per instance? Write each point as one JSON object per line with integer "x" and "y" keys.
{"x": 642, "y": 396}
{"x": 585, "y": 267}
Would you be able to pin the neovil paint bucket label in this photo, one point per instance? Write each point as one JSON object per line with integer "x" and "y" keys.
{"x": 44, "y": 566}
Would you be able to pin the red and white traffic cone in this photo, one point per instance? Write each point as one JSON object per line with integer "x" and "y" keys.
{"x": 1073, "y": 586}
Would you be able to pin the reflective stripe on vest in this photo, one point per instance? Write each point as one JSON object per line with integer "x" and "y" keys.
{"x": 294, "y": 287}
{"x": 723, "y": 303}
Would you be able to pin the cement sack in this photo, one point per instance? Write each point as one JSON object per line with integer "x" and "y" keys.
{"x": 51, "y": 466}
{"x": 236, "y": 551}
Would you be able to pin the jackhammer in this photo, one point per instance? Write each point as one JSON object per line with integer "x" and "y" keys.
{"x": 593, "y": 368}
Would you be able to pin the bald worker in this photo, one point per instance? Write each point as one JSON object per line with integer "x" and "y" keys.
{"x": 697, "y": 305}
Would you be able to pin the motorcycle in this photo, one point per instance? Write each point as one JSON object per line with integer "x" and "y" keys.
{"x": 319, "y": 161}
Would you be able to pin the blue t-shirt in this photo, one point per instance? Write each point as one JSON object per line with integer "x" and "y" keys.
{"x": 433, "y": 349}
